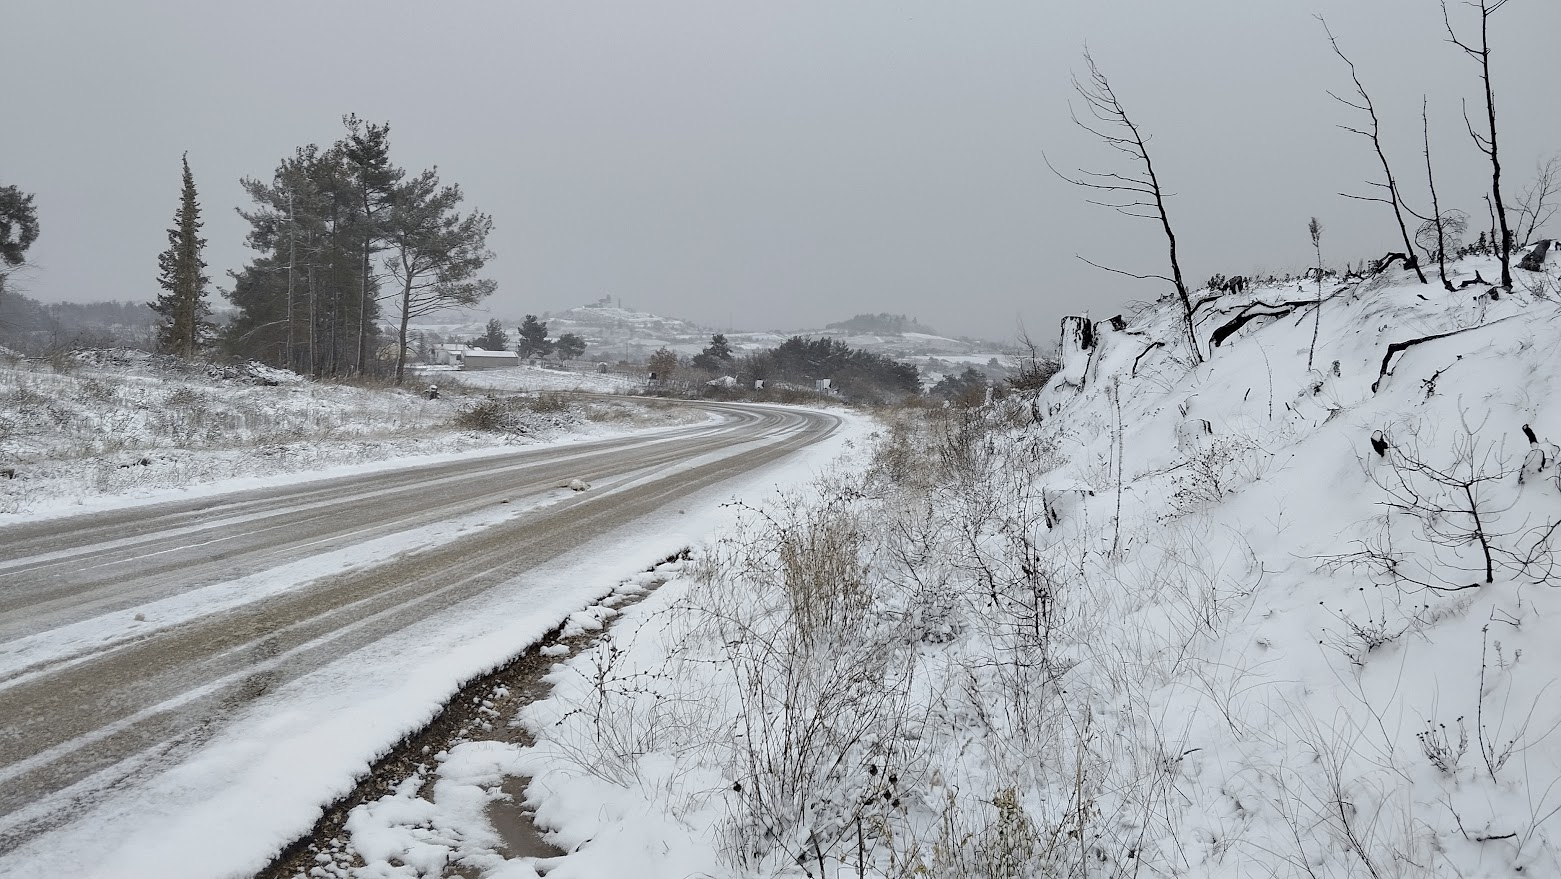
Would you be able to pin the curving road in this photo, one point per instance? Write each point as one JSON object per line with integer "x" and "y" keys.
{"x": 86, "y": 705}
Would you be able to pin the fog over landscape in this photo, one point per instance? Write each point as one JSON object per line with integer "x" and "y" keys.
{"x": 772, "y": 166}
{"x": 791, "y": 440}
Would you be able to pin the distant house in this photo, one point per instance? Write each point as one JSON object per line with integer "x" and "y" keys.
{"x": 468, "y": 357}
{"x": 477, "y": 358}
{"x": 452, "y": 355}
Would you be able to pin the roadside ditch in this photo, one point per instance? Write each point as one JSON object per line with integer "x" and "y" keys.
{"x": 479, "y": 711}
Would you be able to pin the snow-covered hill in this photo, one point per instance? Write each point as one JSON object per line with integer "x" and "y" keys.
{"x": 1233, "y": 618}
{"x": 614, "y": 332}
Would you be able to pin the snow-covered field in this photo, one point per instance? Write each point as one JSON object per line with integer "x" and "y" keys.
{"x": 1237, "y": 618}
{"x": 124, "y": 426}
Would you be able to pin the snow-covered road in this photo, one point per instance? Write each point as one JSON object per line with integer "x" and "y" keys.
{"x": 257, "y": 631}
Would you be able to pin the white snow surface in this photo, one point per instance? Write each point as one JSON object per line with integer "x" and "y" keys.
{"x": 123, "y": 427}
{"x": 262, "y": 781}
{"x": 530, "y": 377}
{"x": 1175, "y": 627}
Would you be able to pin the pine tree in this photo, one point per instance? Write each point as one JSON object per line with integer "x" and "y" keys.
{"x": 18, "y": 229}
{"x": 493, "y": 338}
{"x": 299, "y": 303}
{"x": 532, "y": 340}
{"x": 435, "y": 252}
{"x": 184, "y": 327}
{"x": 18, "y": 225}
{"x": 570, "y": 346}
{"x": 716, "y": 355}
{"x": 367, "y": 149}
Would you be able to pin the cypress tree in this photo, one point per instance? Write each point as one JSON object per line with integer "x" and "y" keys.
{"x": 182, "y": 275}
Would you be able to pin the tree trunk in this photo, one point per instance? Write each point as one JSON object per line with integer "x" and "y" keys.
{"x": 292, "y": 256}
{"x": 1170, "y": 237}
{"x": 1490, "y": 112}
{"x": 313, "y": 321}
{"x": 363, "y": 305}
{"x": 401, "y": 338}
{"x": 1436, "y": 206}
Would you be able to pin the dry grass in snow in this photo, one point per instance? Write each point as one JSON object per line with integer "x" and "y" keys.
{"x": 1235, "y": 619}
{"x": 104, "y": 424}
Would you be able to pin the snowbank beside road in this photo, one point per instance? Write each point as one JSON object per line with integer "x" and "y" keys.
{"x": 260, "y": 782}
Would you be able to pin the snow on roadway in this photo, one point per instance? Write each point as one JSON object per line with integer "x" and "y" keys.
{"x": 226, "y": 809}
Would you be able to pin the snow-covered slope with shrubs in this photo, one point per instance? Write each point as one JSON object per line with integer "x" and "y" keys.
{"x": 103, "y": 427}
{"x": 1232, "y": 618}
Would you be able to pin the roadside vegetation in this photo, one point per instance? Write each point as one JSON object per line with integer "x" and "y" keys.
{"x": 1157, "y": 618}
{"x": 83, "y": 425}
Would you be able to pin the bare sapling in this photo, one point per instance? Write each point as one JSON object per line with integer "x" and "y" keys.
{"x": 1136, "y": 194}
{"x": 1438, "y": 221}
{"x": 1538, "y": 204}
{"x": 1460, "y": 501}
{"x": 1316, "y": 230}
{"x": 1486, "y": 142}
{"x": 1373, "y": 132}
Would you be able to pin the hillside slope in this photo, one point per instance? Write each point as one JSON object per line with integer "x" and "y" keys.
{"x": 1229, "y": 619}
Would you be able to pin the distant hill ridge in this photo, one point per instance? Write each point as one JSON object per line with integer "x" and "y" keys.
{"x": 883, "y": 322}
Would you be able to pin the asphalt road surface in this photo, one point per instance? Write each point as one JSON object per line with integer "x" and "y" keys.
{"x": 85, "y": 710}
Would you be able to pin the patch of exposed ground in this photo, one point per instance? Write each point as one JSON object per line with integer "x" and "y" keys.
{"x": 476, "y": 712}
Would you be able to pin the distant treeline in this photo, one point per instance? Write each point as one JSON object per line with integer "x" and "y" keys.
{"x": 855, "y": 374}
{"x": 37, "y": 328}
{"x": 883, "y": 322}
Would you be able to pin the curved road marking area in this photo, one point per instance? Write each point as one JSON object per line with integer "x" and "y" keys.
{"x": 129, "y": 638}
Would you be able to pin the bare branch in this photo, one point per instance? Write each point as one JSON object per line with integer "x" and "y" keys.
{"x": 1487, "y": 142}
{"x": 1373, "y": 133}
{"x": 1138, "y": 195}
{"x": 1122, "y": 272}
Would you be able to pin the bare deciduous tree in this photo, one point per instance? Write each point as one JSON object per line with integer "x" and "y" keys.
{"x": 1373, "y": 133}
{"x": 1487, "y": 142}
{"x": 1136, "y": 194}
{"x": 1537, "y": 205}
{"x": 1438, "y": 224}
{"x": 1316, "y": 230}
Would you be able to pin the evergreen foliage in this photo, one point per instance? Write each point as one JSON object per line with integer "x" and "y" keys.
{"x": 570, "y": 346}
{"x": 883, "y": 322}
{"x": 532, "y": 340}
{"x": 966, "y": 389}
{"x": 494, "y": 338}
{"x": 716, "y": 355}
{"x": 301, "y": 304}
{"x": 435, "y": 252}
{"x": 663, "y": 363}
{"x": 366, "y": 150}
{"x": 184, "y": 328}
{"x": 856, "y": 373}
{"x": 18, "y": 226}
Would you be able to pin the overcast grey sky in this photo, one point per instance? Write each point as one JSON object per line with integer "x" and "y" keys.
{"x": 772, "y": 164}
